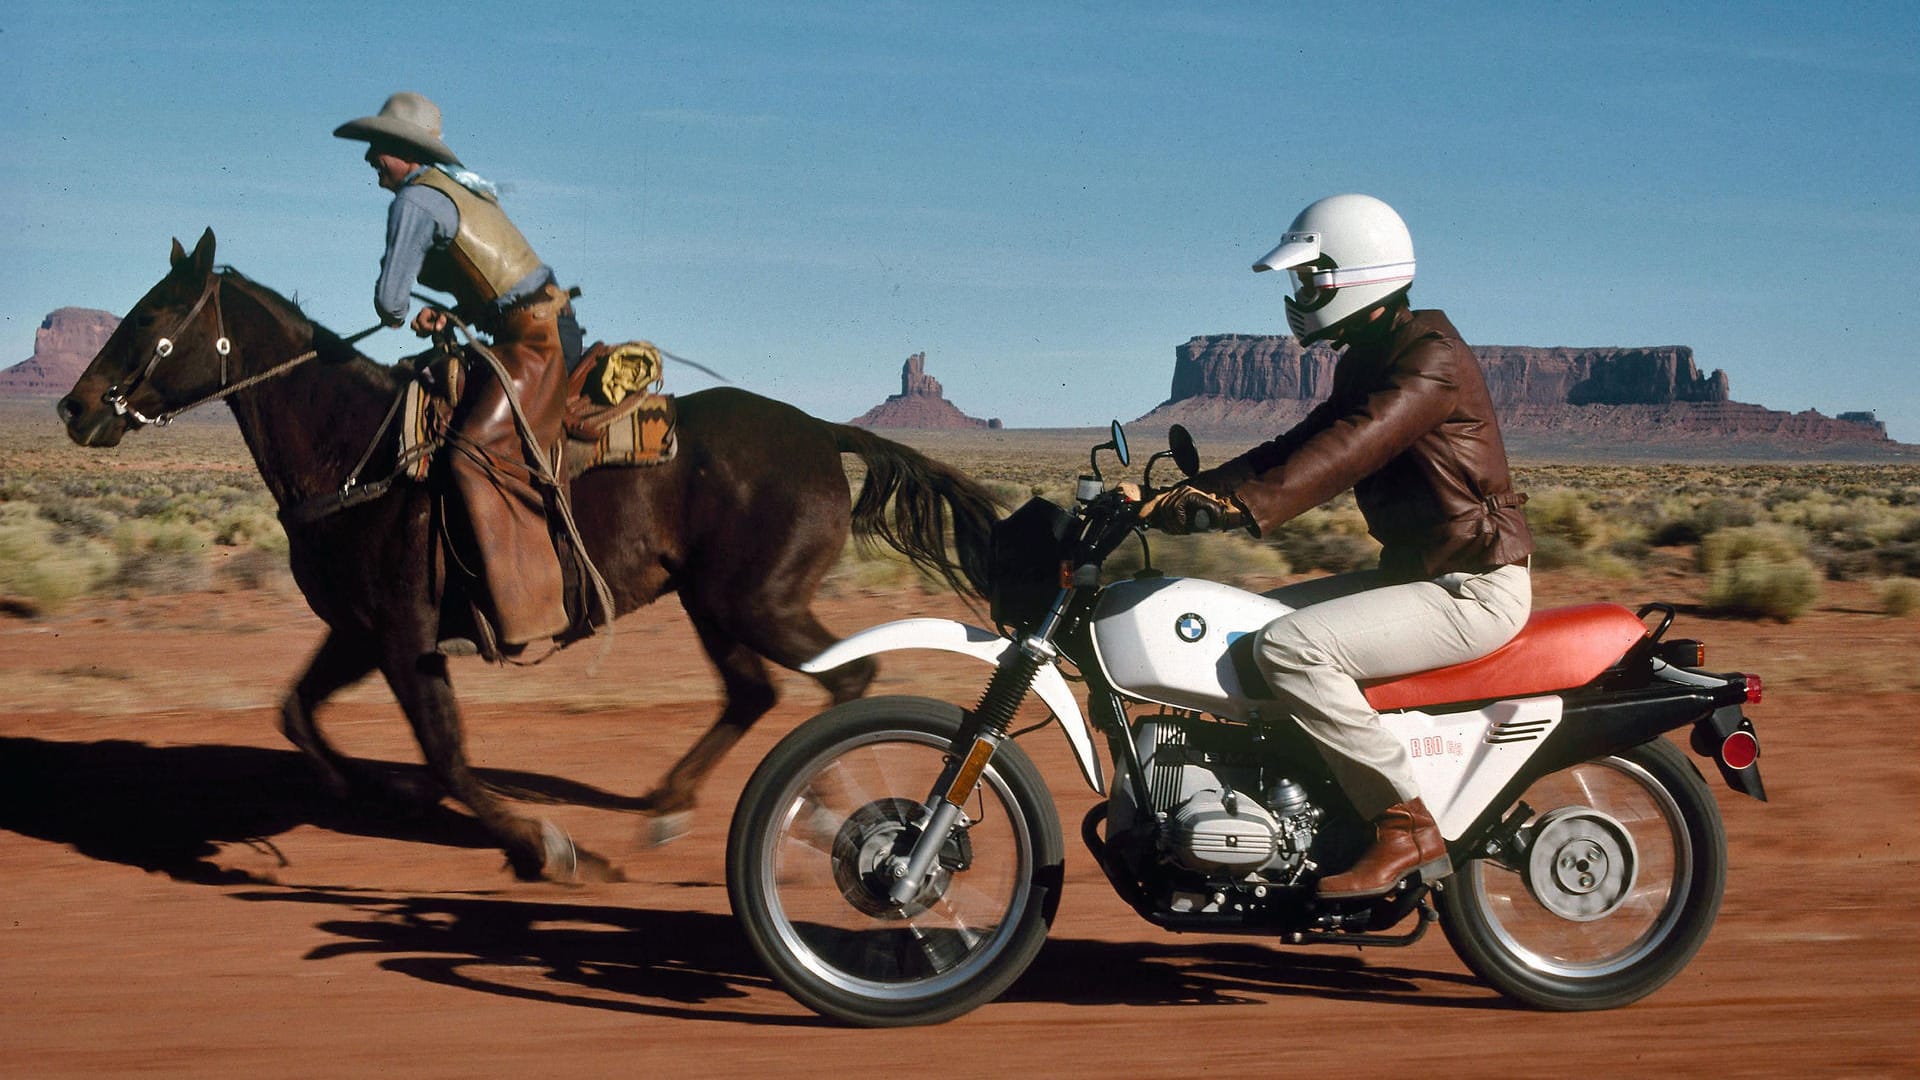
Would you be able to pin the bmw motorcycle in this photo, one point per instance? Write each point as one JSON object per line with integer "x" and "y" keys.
{"x": 898, "y": 860}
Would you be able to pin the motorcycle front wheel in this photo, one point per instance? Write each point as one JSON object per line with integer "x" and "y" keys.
{"x": 819, "y": 824}
{"x": 1616, "y": 885}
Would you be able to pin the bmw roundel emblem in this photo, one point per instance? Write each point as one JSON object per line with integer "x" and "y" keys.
{"x": 1190, "y": 627}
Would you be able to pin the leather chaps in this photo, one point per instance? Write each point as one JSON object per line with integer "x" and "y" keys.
{"x": 505, "y": 505}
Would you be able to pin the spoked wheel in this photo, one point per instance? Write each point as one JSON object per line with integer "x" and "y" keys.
{"x": 817, "y": 831}
{"x": 1615, "y": 888}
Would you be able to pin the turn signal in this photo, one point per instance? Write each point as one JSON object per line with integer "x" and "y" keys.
{"x": 1753, "y": 689}
{"x": 1684, "y": 652}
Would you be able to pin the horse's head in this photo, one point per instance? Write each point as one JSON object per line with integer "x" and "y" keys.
{"x": 166, "y": 352}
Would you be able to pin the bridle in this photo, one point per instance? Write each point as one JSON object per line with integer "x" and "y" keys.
{"x": 117, "y": 395}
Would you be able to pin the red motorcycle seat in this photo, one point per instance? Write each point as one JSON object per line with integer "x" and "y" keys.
{"x": 1558, "y": 649}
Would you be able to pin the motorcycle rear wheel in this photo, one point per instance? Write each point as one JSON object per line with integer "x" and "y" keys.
{"x": 805, "y": 867}
{"x": 1620, "y": 891}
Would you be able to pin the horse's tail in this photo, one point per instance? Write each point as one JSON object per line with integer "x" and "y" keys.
{"x": 923, "y": 492}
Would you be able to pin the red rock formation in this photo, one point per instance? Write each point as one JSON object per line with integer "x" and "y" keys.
{"x": 1548, "y": 398}
{"x": 63, "y": 346}
{"x": 1269, "y": 367}
{"x": 919, "y": 404}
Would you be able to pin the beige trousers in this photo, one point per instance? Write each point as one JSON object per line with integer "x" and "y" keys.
{"x": 1349, "y": 628}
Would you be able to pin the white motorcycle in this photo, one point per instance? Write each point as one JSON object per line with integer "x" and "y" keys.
{"x": 897, "y": 860}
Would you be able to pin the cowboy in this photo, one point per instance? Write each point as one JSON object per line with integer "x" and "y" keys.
{"x": 1409, "y": 426}
{"x": 446, "y": 229}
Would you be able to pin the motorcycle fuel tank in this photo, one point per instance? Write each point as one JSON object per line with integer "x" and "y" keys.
{"x": 1173, "y": 640}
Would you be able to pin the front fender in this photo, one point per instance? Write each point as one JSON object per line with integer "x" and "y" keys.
{"x": 947, "y": 635}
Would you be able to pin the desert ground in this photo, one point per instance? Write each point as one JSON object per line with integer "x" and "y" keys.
{"x": 182, "y": 898}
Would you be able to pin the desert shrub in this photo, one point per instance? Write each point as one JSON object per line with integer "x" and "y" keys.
{"x": 1684, "y": 522}
{"x": 255, "y": 568}
{"x": 1759, "y": 570}
{"x": 78, "y": 517}
{"x": 1008, "y": 493}
{"x": 1756, "y": 586}
{"x": 1612, "y": 566}
{"x": 163, "y": 556}
{"x": 1900, "y": 596}
{"x": 38, "y": 569}
{"x": 1777, "y": 543}
{"x": 251, "y": 527}
{"x": 1228, "y": 557}
{"x": 876, "y": 569}
{"x": 1331, "y": 538}
{"x": 1563, "y": 513}
{"x": 1552, "y": 552}
{"x": 1901, "y": 559}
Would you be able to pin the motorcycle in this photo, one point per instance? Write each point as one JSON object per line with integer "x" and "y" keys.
{"x": 898, "y": 860}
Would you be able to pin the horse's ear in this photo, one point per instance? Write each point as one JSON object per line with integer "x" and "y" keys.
{"x": 203, "y": 253}
{"x": 179, "y": 254}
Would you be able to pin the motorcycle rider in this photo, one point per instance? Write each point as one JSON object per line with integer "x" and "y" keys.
{"x": 446, "y": 228}
{"x": 1409, "y": 426}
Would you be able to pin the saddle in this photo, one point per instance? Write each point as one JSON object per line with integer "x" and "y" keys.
{"x": 616, "y": 412}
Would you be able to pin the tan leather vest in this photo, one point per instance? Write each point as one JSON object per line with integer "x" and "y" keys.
{"x": 488, "y": 255}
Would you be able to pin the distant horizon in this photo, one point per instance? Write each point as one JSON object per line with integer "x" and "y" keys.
{"x": 931, "y": 366}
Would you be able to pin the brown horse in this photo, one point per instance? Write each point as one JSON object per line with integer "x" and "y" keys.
{"x": 743, "y": 523}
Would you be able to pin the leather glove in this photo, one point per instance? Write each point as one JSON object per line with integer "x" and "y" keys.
{"x": 1184, "y": 508}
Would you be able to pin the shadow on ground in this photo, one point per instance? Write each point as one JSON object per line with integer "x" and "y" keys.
{"x": 167, "y": 808}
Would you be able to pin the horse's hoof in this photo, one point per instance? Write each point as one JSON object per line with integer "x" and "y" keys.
{"x": 666, "y": 828}
{"x": 560, "y": 859}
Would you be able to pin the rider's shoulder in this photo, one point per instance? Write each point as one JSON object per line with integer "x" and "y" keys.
{"x": 1428, "y": 334}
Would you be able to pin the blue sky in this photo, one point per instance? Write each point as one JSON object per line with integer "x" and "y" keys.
{"x": 1044, "y": 198}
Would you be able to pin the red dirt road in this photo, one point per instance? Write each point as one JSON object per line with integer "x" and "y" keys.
{"x": 181, "y": 899}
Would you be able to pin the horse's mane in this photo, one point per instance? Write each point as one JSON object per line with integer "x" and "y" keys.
{"x": 333, "y": 350}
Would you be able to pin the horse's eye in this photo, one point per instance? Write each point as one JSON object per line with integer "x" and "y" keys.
{"x": 143, "y": 321}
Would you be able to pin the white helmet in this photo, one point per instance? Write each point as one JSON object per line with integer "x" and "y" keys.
{"x": 1347, "y": 253}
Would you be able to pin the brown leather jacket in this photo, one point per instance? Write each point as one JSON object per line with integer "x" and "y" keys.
{"x": 1409, "y": 426}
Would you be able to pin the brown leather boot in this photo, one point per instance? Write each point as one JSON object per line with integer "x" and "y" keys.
{"x": 1405, "y": 840}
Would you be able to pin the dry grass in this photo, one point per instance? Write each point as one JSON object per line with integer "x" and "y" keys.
{"x": 181, "y": 509}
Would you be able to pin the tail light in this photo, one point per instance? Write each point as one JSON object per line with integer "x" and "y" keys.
{"x": 1753, "y": 689}
{"x": 1740, "y": 750}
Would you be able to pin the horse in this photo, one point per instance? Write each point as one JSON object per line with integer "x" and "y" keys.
{"x": 743, "y": 523}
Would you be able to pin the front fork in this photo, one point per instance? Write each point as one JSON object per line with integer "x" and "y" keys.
{"x": 973, "y": 746}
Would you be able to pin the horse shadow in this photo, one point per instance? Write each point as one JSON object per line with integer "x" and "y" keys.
{"x": 167, "y": 809}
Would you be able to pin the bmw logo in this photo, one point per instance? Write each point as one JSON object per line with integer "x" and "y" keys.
{"x": 1190, "y": 627}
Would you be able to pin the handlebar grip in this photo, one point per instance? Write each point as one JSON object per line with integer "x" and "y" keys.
{"x": 1202, "y": 519}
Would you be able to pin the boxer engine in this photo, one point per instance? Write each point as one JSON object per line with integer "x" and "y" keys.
{"x": 1216, "y": 806}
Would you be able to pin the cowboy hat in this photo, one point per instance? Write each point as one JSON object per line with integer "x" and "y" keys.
{"x": 408, "y": 121}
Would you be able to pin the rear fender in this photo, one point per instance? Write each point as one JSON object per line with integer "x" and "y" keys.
{"x": 1596, "y": 725}
{"x": 947, "y": 635}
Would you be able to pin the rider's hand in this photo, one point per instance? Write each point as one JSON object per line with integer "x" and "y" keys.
{"x": 1184, "y": 508}
{"x": 430, "y": 321}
